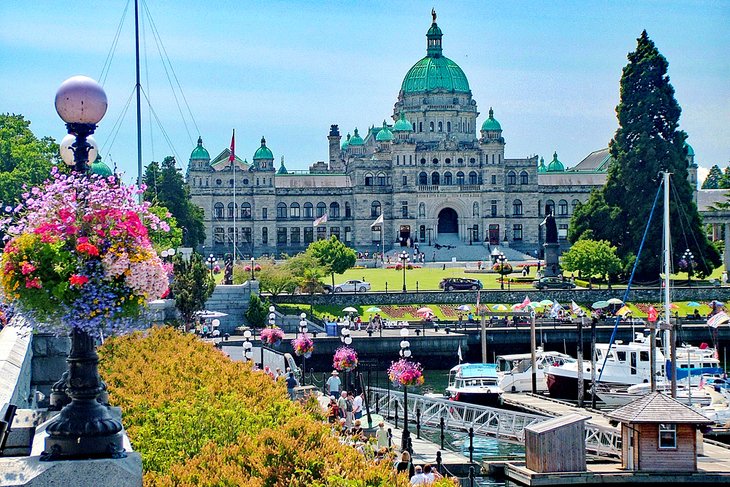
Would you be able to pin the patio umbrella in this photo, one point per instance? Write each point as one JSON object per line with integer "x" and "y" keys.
{"x": 499, "y": 307}
{"x": 546, "y": 302}
{"x": 517, "y": 307}
{"x": 373, "y": 309}
{"x": 599, "y": 304}
{"x": 349, "y": 309}
{"x": 716, "y": 303}
{"x": 424, "y": 310}
{"x": 673, "y": 306}
{"x": 210, "y": 314}
{"x": 694, "y": 304}
{"x": 464, "y": 307}
{"x": 615, "y": 301}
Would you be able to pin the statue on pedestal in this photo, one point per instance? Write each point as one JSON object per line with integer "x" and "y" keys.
{"x": 228, "y": 272}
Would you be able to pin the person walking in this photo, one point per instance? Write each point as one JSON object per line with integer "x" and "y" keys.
{"x": 291, "y": 383}
{"x": 405, "y": 465}
{"x": 342, "y": 404}
{"x": 349, "y": 415}
{"x": 334, "y": 384}
{"x": 381, "y": 436}
{"x": 418, "y": 477}
{"x": 357, "y": 406}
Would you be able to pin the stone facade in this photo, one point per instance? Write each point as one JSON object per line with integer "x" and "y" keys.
{"x": 432, "y": 172}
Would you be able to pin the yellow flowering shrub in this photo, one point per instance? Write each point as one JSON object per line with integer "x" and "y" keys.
{"x": 200, "y": 419}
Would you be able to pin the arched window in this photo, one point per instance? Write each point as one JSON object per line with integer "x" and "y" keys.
{"x": 281, "y": 210}
{"x": 517, "y": 207}
{"x": 334, "y": 210}
{"x": 524, "y": 178}
{"x": 435, "y": 161}
{"x": 549, "y": 207}
{"x": 308, "y": 210}
{"x": 511, "y": 177}
{"x": 246, "y": 210}
{"x": 321, "y": 209}
{"x": 448, "y": 126}
{"x": 230, "y": 182}
{"x": 430, "y": 126}
{"x": 448, "y": 178}
{"x": 218, "y": 210}
{"x": 348, "y": 210}
{"x": 435, "y": 178}
{"x": 231, "y": 210}
{"x": 562, "y": 207}
{"x": 473, "y": 178}
{"x": 574, "y": 204}
{"x": 368, "y": 179}
{"x": 475, "y": 209}
{"x": 447, "y": 160}
{"x": 422, "y": 178}
{"x": 441, "y": 126}
{"x": 472, "y": 162}
{"x": 375, "y": 209}
{"x": 294, "y": 210}
{"x": 460, "y": 161}
{"x": 422, "y": 210}
{"x": 380, "y": 180}
{"x": 460, "y": 178}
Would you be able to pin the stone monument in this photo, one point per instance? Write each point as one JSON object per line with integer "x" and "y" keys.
{"x": 228, "y": 272}
{"x": 552, "y": 247}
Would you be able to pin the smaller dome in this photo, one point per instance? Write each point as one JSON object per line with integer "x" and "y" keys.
{"x": 199, "y": 152}
{"x": 384, "y": 135}
{"x": 555, "y": 165}
{"x": 263, "y": 152}
{"x": 491, "y": 123}
{"x": 402, "y": 125}
{"x": 282, "y": 170}
{"x": 690, "y": 150}
{"x": 356, "y": 139}
{"x": 346, "y": 143}
{"x": 99, "y": 168}
{"x": 541, "y": 167}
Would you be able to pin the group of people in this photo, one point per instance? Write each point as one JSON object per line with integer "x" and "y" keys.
{"x": 288, "y": 377}
{"x": 419, "y": 474}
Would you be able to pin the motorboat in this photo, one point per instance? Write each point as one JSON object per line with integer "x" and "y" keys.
{"x": 690, "y": 395}
{"x": 515, "y": 371}
{"x": 475, "y": 384}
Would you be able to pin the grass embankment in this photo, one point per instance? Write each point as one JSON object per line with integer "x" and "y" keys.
{"x": 197, "y": 418}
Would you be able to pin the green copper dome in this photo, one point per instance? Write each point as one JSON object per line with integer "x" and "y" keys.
{"x": 690, "y": 150}
{"x": 555, "y": 165}
{"x": 282, "y": 170}
{"x": 101, "y": 169}
{"x": 384, "y": 135}
{"x": 199, "y": 152}
{"x": 346, "y": 143}
{"x": 263, "y": 152}
{"x": 435, "y": 72}
{"x": 491, "y": 123}
{"x": 356, "y": 139}
{"x": 402, "y": 125}
{"x": 541, "y": 167}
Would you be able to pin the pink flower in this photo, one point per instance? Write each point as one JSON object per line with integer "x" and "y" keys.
{"x": 78, "y": 280}
{"x": 27, "y": 268}
{"x": 33, "y": 283}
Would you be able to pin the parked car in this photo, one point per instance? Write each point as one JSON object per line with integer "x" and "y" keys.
{"x": 353, "y": 285}
{"x": 459, "y": 283}
{"x": 553, "y": 283}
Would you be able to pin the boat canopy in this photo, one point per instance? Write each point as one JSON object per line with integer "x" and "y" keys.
{"x": 469, "y": 371}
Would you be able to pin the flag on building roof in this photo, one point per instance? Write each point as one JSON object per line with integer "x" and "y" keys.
{"x": 232, "y": 156}
{"x": 321, "y": 219}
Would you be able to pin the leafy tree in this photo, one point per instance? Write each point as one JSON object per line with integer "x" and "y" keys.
{"x": 257, "y": 312}
{"x": 712, "y": 181}
{"x": 334, "y": 255}
{"x": 308, "y": 273}
{"x": 192, "y": 285}
{"x": 165, "y": 240}
{"x": 592, "y": 258}
{"x": 647, "y": 142}
{"x": 165, "y": 186}
{"x": 24, "y": 159}
{"x": 276, "y": 278}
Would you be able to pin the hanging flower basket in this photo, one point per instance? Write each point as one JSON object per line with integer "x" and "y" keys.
{"x": 303, "y": 346}
{"x": 272, "y": 335}
{"x": 79, "y": 256}
{"x": 345, "y": 359}
{"x": 406, "y": 373}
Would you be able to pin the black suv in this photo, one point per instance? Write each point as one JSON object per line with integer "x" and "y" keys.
{"x": 553, "y": 283}
{"x": 459, "y": 283}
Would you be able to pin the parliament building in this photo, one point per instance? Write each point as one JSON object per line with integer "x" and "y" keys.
{"x": 435, "y": 173}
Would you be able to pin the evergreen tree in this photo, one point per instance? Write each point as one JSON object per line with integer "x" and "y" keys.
{"x": 724, "y": 182}
{"x": 165, "y": 186}
{"x": 712, "y": 181}
{"x": 647, "y": 142}
{"x": 257, "y": 312}
{"x": 192, "y": 285}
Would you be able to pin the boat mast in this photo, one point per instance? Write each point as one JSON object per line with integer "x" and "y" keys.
{"x": 138, "y": 87}
{"x": 667, "y": 260}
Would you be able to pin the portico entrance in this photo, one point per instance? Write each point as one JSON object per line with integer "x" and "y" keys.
{"x": 448, "y": 221}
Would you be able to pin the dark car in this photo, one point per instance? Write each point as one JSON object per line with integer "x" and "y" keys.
{"x": 553, "y": 283}
{"x": 459, "y": 284}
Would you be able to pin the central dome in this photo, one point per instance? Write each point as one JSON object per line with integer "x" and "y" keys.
{"x": 435, "y": 72}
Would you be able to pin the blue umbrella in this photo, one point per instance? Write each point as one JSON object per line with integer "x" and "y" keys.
{"x": 694, "y": 304}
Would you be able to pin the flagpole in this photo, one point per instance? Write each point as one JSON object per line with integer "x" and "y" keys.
{"x": 235, "y": 207}
{"x": 382, "y": 242}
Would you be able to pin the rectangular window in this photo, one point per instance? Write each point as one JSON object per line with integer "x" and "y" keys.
{"x": 562, "y": 231}
{"x": 294, "y": 211}
{"x": 265, "y": 236}
{"x": 517, "y": 231}
{"x": 667, "y": 435}
{"x": 281, "y": 236}
{"x": 308, "y": 235}
{"x": 375, "y": 235}
{"x": 246, "y": 233}
{"x": 295, "y": 235}
{"x": 321, "y": 233}
{"x": 381, "y": 180}
{"x": 494, "y": 179}
{"x": 405, "y": 180}
{"x": 404, "y": 209}
{"x": 335, "y": 231}
{"x": 219, "y": 236}
{"x": 264, "y": 213}
{"x": 348, "y": 235}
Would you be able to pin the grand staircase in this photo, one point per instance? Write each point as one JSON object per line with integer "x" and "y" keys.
{"x": 448, "y": 246}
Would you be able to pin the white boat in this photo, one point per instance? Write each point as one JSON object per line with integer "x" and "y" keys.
{"x": 718, "y": 410}
{"x": 692, "y": 395}
{"x": 515, "y": 371}
{"x": 475, "y": 384}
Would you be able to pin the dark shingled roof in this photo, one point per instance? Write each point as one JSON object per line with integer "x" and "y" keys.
{"x": 657, "y": 408}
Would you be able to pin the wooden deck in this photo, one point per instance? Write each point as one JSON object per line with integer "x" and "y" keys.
{"x": 553, "y": 407}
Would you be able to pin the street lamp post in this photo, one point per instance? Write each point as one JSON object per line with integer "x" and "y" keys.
{"x": 84, "y": 428}
{"x": 303, "y": 332}
{"x": 346, "y": 338}
{"x": 688, "y": 257}
{"x": 502, "y": 259}
{"x": 247, "y": 345}
{"x": 253, "y": 276}
{"x": 404, "y": 258}
{"x": 405, "y": 352}
{"x": 211, "y": 263}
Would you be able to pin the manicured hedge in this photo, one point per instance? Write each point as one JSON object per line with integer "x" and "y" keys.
{"x": 197, "y": 418}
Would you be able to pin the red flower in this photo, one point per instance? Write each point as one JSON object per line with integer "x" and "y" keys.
{"x": 33, "y": 283}
{"x": 78, "y": 280}
{"x": 87, "y": 248}
{"x": 27, "y": 268}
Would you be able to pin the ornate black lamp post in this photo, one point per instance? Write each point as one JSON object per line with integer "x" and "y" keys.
{"x": 405, "y": 352}
{"x": 247, "y": 345}
{"x": 404, "y": 258}
{"x": 303, "y": 329}
{"x": 688, "y": 258}
{"x": 211, "y": 263}
{"x": 346, "y": 338}
{"x": 501, "y": 259}
{"x": 253, "y": 276}
{"x": 84, "y": 428}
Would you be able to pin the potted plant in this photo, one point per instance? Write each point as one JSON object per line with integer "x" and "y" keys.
{"x": 303, "y": 346}
{"x": 345, "y": 359}
{"x": 272, "y": 335}
{"x": 406, "y": 373}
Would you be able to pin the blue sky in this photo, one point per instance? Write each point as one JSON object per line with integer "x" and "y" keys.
{"x": 287, "y": 69}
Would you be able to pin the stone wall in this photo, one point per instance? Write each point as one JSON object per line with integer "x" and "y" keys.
{"x": 232, "y": 300}
{"x": 582, "y": 296}
{"x": 15, "y": 351}
{"x": 48, "y": 363}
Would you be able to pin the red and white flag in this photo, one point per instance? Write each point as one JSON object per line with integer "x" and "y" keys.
{"x": 526, "y": 302}
{"x": 321, "y": 219}
{"x": 232, "y": 156}
{"x": 718, "y": 319}
{"x": 651, "y": 314}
